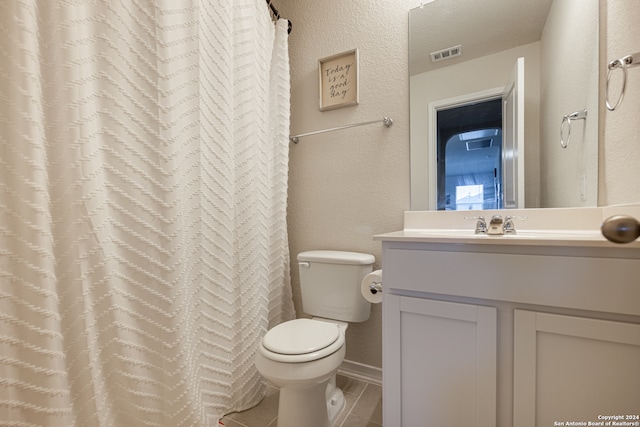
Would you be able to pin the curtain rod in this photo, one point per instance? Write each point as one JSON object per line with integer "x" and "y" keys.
{"x": 277, "y": 15}
{"x": 387, "y": 121}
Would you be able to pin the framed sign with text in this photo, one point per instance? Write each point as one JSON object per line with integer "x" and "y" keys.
{"x": 338, "y": 77}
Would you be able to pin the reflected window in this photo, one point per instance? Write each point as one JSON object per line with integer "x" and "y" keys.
{"x": 469, "y": 197}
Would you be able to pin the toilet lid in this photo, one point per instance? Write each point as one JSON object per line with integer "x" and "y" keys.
{"x": 300, "y": 336}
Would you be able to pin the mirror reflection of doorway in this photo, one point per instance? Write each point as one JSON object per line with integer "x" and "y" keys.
{"x": 469, "y": 147}
{"x": 466, "y": 113}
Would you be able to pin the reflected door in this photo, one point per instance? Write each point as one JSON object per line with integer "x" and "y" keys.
{"x": 477, "y": 148}
{"x": 513, "y": 146}
{"x": 470, "y": 156}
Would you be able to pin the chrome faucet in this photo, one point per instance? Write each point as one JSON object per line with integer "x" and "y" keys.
{"x": 496, "y": 225}
{"x": 481, "y": 225}
{"x": 509, "y": 226}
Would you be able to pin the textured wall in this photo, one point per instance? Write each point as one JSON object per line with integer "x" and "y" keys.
{"x": 620, "y": 147}
{"x": 570, "y": 62}
{"x": 348, "y": 185}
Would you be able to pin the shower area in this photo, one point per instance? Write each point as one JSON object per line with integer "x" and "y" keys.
{"x": 143, "y": 186}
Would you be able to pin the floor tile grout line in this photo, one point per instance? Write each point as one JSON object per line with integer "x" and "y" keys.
{"x": 354, "y": 404}
{"x": 235, "y": 422}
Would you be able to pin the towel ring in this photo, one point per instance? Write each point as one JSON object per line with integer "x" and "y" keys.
{"x": 578, "y": 115}
{"x": 622, "y": 64}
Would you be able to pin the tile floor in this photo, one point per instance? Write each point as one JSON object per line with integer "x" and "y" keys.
{"x": 363, "y": 407}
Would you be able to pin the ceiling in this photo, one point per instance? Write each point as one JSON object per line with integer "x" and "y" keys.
{"x": 482, "y": 27}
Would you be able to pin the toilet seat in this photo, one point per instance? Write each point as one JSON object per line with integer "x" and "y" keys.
{"x": 301, "y": 340}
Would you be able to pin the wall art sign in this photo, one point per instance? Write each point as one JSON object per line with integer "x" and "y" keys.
{"x": 338, "y": 80}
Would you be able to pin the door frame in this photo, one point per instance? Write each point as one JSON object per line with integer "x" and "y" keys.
{"x": 443, "y": 104}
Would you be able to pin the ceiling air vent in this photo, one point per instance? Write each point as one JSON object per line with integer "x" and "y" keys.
{"x": 446, "y": 53}
{"x": 478, "y": 144}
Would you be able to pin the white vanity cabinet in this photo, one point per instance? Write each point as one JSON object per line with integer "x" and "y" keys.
{"x": 508, "y": 333}
{"x": 445, "y": 370}
{"x": 574, "y": 368}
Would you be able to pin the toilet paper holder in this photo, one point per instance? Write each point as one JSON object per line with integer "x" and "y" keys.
{"x": 371, "y": 287}
{"x": 375, "y": 287}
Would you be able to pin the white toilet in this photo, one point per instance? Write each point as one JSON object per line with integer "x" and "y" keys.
{"x": 302, "y": 356}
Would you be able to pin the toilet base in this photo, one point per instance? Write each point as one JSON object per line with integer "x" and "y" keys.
{"x": 308, "y": 393}
{"x": 310, "y": 405}
{"x": 335, "y": 400}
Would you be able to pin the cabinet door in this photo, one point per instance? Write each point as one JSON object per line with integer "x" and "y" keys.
{"x": 439, "y": 363}
{"x": 573, "y": 369}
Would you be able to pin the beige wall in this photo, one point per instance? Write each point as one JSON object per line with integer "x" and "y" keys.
{"x": 570, "y": 62}
{"x": 348, "y": 185}
{"x": 620, "y": 145}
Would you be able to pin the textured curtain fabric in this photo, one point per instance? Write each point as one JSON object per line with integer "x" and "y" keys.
{"x": 143, "y": 184}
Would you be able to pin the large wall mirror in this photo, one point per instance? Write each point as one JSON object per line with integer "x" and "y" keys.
{"x": 504, "y": 104}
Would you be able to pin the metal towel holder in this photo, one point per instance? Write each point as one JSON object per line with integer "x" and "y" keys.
{"x": 578, "y": 115}
{"x": 621, "y": 64}
{"x": 386, "y": 121}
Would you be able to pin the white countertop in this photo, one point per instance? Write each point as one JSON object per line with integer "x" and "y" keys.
{"x": 568, "y": 227}
{"x": 529, "y": 238}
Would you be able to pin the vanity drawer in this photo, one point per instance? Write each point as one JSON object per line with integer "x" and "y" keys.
{"x": 578, "y": 282}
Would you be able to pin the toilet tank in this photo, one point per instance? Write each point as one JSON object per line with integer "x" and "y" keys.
{"x": 330, "y": 284}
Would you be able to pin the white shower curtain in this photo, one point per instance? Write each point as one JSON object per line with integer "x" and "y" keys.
{"x": 143, "y": 184}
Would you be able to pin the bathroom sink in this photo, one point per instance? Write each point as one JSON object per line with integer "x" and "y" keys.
{"x": 521, "y": 234}
{"x": 556, "y": 234}
{"x": 446, "y": 232}
{"x": 566, "y": 227}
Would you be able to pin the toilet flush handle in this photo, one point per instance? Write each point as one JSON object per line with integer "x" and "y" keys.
{"x": 304, "y": 264}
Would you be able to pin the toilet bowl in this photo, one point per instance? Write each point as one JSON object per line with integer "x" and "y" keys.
{"x": 301, "y": 357}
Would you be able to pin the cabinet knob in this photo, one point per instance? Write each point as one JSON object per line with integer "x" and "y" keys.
{"x": 621, "y": 229}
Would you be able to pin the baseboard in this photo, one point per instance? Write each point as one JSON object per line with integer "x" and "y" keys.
{"x": 361, "y": 371}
